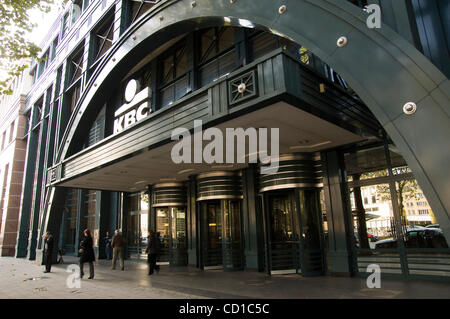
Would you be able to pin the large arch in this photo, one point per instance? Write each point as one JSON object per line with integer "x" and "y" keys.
{"x": 383, "y": 68}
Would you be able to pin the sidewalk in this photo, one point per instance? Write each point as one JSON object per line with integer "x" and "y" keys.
{"x": 20, "y": 278}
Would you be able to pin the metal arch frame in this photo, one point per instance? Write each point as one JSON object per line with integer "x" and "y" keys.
{"x": 383, "y": 68}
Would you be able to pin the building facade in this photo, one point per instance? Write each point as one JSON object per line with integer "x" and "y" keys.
{"x": 128, "y": 86}
{"x": 12, "y": 157}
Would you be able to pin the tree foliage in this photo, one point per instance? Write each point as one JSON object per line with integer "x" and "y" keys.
{"x": 14, "y": 47}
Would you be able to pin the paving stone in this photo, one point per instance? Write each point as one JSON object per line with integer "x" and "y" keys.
{"x": 192, "y": 283}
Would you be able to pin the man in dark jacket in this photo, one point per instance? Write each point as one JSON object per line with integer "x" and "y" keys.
{"x": 48, "y": 251}
{"x": 87, "y": 253}
{"x": 152, "y": 251}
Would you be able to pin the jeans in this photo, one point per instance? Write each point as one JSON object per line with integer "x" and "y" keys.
{"x": 108, "y": 252}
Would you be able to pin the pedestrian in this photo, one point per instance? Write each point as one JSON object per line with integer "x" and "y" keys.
{"x": 160, "y": 242}
{"x": 87, "y": 253}
{"x": 48, "y": 251}
{"x": 152, "y": 251}
{"x": 117, "y": 244}
{"x": 108, "y": 247}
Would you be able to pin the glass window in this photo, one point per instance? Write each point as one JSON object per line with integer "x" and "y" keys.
{"x": 217, "y": 54}
{"x": 178, "y": 226}
{"x": 75, "y": 67}
{"x": 175, "y": 82}
{"x": 70, "y": 221}
{"x": 262, "y": 44}
{"x": 65, "y": 25}
{"x": 138, "y": 7}
{"x": 366, "y": 164}
{"x": 373, "y": 222}
{"x": 3, "y": 140}
{"x": 76, "y": 10}
{"x": 74, "y": 96}
{"x": 90, "y": 202}
{"x": 11, "y": 132}
{"x": 103, "y": 38}
{"x": 96, "y": 133}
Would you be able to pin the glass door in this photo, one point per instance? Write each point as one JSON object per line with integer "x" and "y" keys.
{"x": 137, "y": 225}
{"x": 133, "y": 234}
{"x": 311, "y": 232}
{"x": 232, "y": 247}
{"x": 283, "y": 233}
{"x": 211, "y": 234}
{"x": 178, "y": 244}
{"x": 163, "y": 232}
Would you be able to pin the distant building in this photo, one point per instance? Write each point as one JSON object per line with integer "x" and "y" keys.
{"x": 13, "y": 147}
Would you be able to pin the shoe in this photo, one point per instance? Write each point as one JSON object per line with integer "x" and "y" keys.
{"x": 122, "y": 269}
{"x": 46, "y": 272}
{"x": 91, "y": 277}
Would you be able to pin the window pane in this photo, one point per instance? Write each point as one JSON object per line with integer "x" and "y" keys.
{"x": 226, "y": 38}
{"x": 167, "y": 95}
{"x": 227, "y": 63}
{"x": 167, "y": 69}
{"x": 420, "y": 227}
{"x": 180, "y": 62}
{"x": 181, "y": 87}
{"x": 398, "y": 163}
{"x": 365, "y": 164}
{"x": 374, "y": 226}
{"x": 208, "y": 73}
{"x": 207, "y": 45}
{"x": 263, "y": 44}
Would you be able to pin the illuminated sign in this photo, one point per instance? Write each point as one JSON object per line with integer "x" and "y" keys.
{"x": 136, "y": 108}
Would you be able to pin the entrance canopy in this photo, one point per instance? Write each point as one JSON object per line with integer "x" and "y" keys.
{"x": 299, "y": 132}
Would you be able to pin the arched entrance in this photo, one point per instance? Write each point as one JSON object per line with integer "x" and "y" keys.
{"x": 382, "y": 67}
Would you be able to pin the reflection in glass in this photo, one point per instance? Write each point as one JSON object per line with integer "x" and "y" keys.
{"x": 162, "y": 231}
{"x": 70, "y": 221}
{"x": 214, "y": 226}
{"x": 419, "y": 225}
{"x": 178, "y": 227}
{"x": 281, "y": 219}
{"x": 310, "y": 218}
{"x": 366, "y": 164}
{"x": 373, "y": 217}
{"x": 137, "y": 224}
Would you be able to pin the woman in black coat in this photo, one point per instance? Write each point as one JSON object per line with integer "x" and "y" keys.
{"x": 87, "y": 254}
{"x": 152, "y": 251}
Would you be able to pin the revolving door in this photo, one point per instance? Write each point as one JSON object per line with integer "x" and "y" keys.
{"x": 293, "y": 216}
{"x": 220, "y": 221}
{"x": 169, "y": 213}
